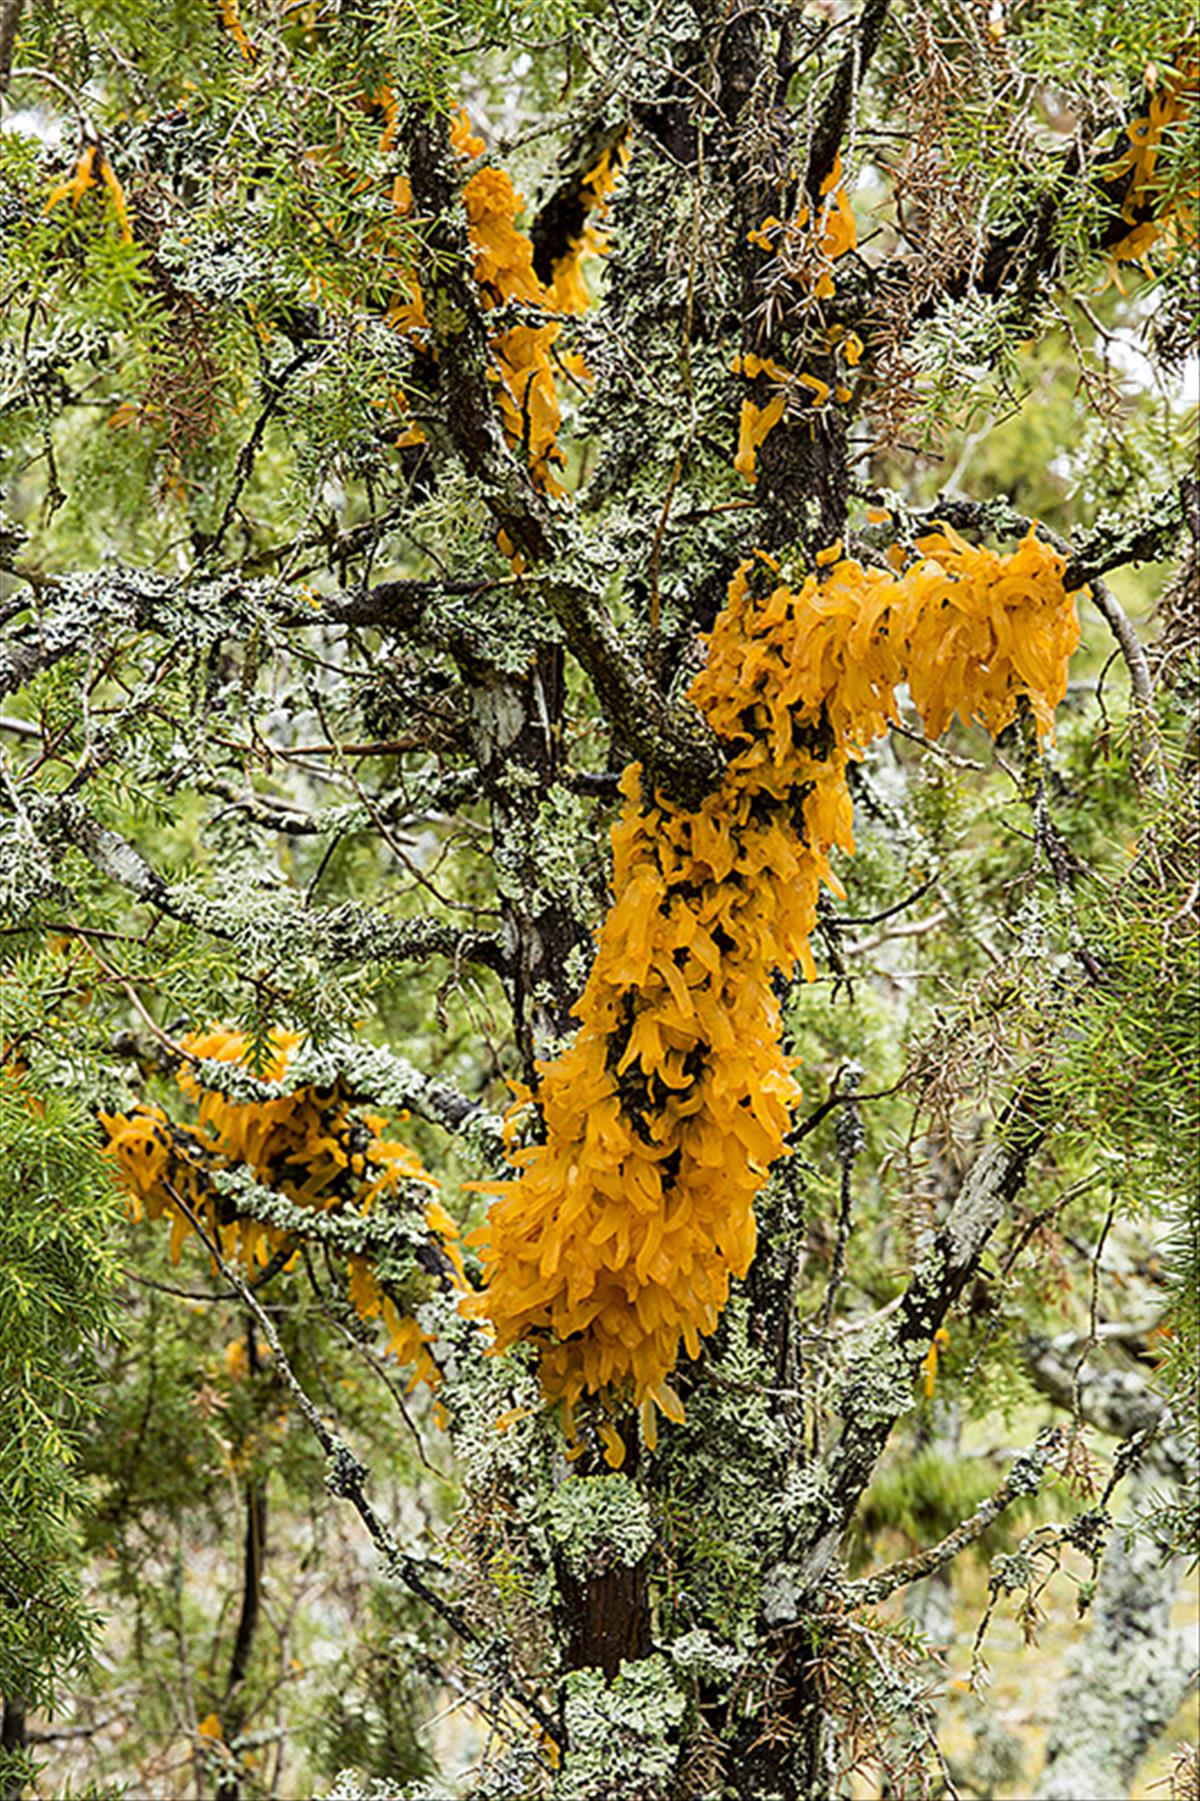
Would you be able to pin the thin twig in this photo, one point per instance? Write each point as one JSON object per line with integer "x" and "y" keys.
{"x": 1023, "y": 1480}
{"x": 850, "y": 1141}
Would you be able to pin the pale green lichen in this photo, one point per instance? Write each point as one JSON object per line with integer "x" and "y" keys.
{"x": 805, "y": 1497}
{"x": 622, "y": 1734}
{"x": 596, "y": 1521}
{"x": 878, "y": 1381}
{"x": 546, "y": 856}
{"x": 349, "y": 1785}
{"x": 699, "y": 1655}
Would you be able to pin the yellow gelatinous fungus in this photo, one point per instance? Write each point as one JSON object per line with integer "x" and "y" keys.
{"x": 92, "y": 169}
{"x": 81, "y": 180}
{"x": 308, "y": 1145}
{"x": 756, "y": 421}
{"x": 613, "y": 1245}
{"x": 1170, "y": 221}
{"x": 832, "y": 234}
{"x": 503, "y": 269}
{"x": 230, "y": 16}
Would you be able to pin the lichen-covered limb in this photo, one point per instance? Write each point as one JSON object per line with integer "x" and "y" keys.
{"x": 1150, "y": 534}
{"x": 877, "y": 1388}
{"x": 89, "y": 606}
{"x": 672, "y": 740}
{"x": 77, "y": 612}
{"x": 1128, "y": 1678}
{"x": 1025, "y": 1478}
{"x": 378, "y": 1236}
{"x": 370, "y": 1073}
{"x": 1117, "y": 1401}
{"x": 679, "y": 750}
{"x": 345, "y": 934}
{"x": 425, "y": 798}
{"x": 401, "y": 605}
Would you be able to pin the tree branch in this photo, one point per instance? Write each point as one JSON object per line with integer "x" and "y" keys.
{"x": 676, "y": 744}
{"x": 1023, "y": 1479}
{"x": 370, "y": 1073}
{"x": 1116, "y": 1401}
{"x": 831, "y": 126}
{"x": 1144, "y": 538}
{"x": 876, "y": 1389}
{"x": 281, "y": 924}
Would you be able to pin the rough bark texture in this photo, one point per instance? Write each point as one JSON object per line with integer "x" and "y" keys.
{"x": 606, "y": 1617}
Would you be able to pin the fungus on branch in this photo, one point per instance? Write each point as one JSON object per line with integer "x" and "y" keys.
{"x": 616, "y": 1242}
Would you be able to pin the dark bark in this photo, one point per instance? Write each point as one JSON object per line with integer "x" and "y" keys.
{"x": 802, "y": 490}
{"x": 10, "y": 18}
{"x": 605, "y": 1617}
{"x": 835, "y": 116}
{"x": 234, "y": 1712}
{"x": 562, "y": 216}
{"x": 254, "y": 1544}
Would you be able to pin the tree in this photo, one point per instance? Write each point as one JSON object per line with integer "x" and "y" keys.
{"x": 380, "y": 544}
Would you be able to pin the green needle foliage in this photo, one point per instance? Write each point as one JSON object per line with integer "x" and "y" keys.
{"x": 58, "y": 1283}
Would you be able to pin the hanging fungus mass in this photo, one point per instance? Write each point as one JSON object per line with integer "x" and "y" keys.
{"x": 614, "y": 1244}
{"x": 308, "y": 1144}
{"x": 1154, "y": 219}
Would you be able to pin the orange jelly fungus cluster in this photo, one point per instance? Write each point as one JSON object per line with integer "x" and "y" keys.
{"x": 308, "y": 1145}
{"x": 230, "y": 15}
{"x": 618, "y": 1238}
{"x": 811, "y": 250}
{"x": 522, "y": 366}
{"x": 92, "y": 168}
{"x": 1170, "y": 105}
